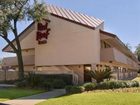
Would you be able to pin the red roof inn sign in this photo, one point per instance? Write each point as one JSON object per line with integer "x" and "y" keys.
{"x": 42, "y": 32}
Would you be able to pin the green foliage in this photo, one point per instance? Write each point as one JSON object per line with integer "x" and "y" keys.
{"x": 33, "y": 80}
{"x": 74, "y": 89}
{"x": 21, "y": 83}
{"x": 102, "y": 85}
{"x": 100, "y": 75}
{"x": 67, "y": 78}
{"x": 10, "y": 12}
{"x": 17, "y": 10}
{"x": 117, "y": 84}
{"x": 58, "y": 84}
{"x": 134, "y": 84}
{"x": 38, "y": 11}
{"x": 47, "y": 85}
{"x": 89, "y": 86}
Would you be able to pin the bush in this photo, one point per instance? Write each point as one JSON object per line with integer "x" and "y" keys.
{"x": 103, "y": 85}
{"x": 68, "y": 89}
{"x": 58, "y": 84}
{"x": 111, "y": 85}
{"x": 118, "y": 84}
{"x": 134, "y": 84}
{"x": 21, "y": 83}
{"x": 89, "y": 86}
{"x": 123, "y": 84}
{"x": 34, "y": 80}
{"x": 74, "y": 89}
{"x": 47, "y": 85}
{"x": 67, "y": 78}
{"x": 44, "y": 81}
{"x": 101, "y": 74}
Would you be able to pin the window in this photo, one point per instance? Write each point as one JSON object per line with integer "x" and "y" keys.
{"x": 104, "y": 45}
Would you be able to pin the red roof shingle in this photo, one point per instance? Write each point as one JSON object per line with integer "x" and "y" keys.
{"x": 74, "y": 16}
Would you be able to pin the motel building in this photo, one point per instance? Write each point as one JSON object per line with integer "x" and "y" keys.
{"x": 69, "y": 42}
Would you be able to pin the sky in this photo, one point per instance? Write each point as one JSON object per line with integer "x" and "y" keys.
{"x": 121, "y": 17}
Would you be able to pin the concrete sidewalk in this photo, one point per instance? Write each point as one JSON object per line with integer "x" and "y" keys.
{"x": 32, "y": 100}
{"x": 6, "y": 86}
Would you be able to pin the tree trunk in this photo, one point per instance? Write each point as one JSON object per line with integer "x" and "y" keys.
{"x": 19, "y": 53}
{"x": 20, "y": 60}
{"x": 20, "y": 65}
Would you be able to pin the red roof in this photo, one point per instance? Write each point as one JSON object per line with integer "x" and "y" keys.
{"x": 74, "y": 16}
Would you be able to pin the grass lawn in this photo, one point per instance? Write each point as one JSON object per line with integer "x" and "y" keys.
{"x": 12, "y": 93}
{"x": 96, "y": 98}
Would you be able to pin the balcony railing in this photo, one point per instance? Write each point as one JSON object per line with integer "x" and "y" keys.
{"x": 114, "y": 55}
{"x": 12, "y": 61}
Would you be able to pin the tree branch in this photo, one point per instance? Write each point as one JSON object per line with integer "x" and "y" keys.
{"x": 18, "y": 14}
{"x": 9, "y": 42}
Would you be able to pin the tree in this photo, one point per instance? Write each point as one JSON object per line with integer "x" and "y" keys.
{"x": 101, "y": 74}
{"x": 138, "y": 51}
{"x": 12, "y": 12}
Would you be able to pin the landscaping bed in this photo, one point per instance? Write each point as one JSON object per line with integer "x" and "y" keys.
{"x": 101, "y": 86}
{"x": 13, "y": 93}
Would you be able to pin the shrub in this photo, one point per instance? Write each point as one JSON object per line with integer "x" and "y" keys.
{"x": 21, "y": 83}
{"x": 47, "y": 85}
{"x": 112, "y": 85}
{"x": 101, "y": 74}
{"x": 68, "y": 89}
{"x": 89, "y": 86}
{"x": 118, "y": 84}
{"x": 58, "y": 84}
{"x": 129, "y": 84}
{"x": 134, "y": 84}
{"x": 74, "y": 89}
{"x": 103, "y": 85}
{"x": 34, "y": 80}
{"x": 67, "y": 78}
{"x": 48, "y": 81}
{"x": 122, "y": 84}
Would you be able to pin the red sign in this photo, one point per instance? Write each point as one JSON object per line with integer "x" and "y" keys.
{"x": 42, "y": 32}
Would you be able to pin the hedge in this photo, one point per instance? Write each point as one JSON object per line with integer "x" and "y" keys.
{"x": 67, "y": 78}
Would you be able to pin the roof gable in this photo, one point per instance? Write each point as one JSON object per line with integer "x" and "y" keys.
{"x": 21, "y": 36}
{"x": 70, "y": 15}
